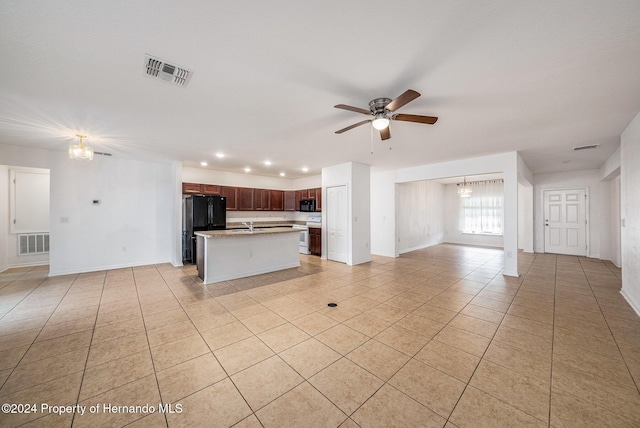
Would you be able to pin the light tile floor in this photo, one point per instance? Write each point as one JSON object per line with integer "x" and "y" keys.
{"x": 437, "y": 337}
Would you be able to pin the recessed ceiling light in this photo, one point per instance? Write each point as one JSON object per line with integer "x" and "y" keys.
{"x": 305, "y": 169}
{"x": 247, "y": 169}
{"x": 282, "y": 174}
{"x": 219, "y": 155}
{"x": 267, "y": 162}
{"x": 204, "y": 163}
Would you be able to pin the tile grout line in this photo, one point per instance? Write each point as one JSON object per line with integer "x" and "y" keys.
{"x": 228, "y": 376}
{"x": 553, "y": 337}
{"x": 84, "y": 371}
{"x": 39, "y": 332}
{"x": 468, "y": 383}
{"x": 610, "y": 331}
{"x": 35, "y": 338}
{"x": 153, "y": 363}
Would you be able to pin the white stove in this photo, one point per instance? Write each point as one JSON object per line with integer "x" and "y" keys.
{"x": 304, "y": 238}
{"x": 312, "y": 221}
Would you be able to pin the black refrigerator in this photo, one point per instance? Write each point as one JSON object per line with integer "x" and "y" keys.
{"x": 201, "y": 213}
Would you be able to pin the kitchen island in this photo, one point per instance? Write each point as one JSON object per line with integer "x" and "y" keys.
{"x": 223, "y": 255}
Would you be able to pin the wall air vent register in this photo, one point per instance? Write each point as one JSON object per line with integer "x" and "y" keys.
{"x": 33, "y": 243}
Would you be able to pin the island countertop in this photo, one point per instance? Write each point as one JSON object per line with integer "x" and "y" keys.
{"x": 223, "y": 255}
{"x": 208, "y": 234}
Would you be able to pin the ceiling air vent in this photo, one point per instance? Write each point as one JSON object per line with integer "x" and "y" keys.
{"x": 160, "y": 69}
{"x": 591, "y": 146}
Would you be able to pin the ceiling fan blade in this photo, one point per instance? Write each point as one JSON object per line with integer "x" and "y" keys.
{"x": 355, "y": 109}
{"x": 403, "y": 99}
{"x": 385, "y": 133}
{"x": 429, "y": 120}
{"x": 355, "y": 125}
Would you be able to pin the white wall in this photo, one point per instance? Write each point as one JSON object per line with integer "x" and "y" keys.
{"x": 525, "y": 217}
{"x": 525, "y": 207}
{"x": 507, "y": 163}
{"x": 360, "y": 214}
{"x": 383, "y": 214}
{"x": 227, "y": 178}
{"x": 451, "y": 223}
{"x": 610, "y": 191}
{"x": 615, "y": 248}
{"x": 630, "y": 211}
{"x": 135, "y": 224}
{"x": 4, "y": 216}
{"x": 420, "y": 215}
{"x": 589, "y": 179}
{"x": 9, "y": 241}
{"x": 357, "y": 179}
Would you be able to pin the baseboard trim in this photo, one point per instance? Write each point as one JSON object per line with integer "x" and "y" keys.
{"x": 101, "y": 268}
{"x": 22, "y": 265}
{"x": 634, "y": 305}
{"x": 510, "y": 273}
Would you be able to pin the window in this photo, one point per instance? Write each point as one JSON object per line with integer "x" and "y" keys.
{"x": 482, "y": 212}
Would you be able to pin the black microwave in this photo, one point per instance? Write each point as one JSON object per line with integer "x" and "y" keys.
{"x": 308, "y": 205}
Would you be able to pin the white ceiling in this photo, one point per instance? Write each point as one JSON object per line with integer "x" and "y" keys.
{"x": 538, "y": 77}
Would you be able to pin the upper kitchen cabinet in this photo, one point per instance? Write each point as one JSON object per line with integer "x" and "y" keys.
{"x": 291, "y": 200}
{"x": 276, "y": 200}
{"x": 191, "y": 188}
{"x": 315, "y": 193}
{"x": 319, "y": 199}
{"x": 246, "y": 201}
{"x": 232, "y": 199}
{"x": 210, "y": 189}
{"x": 262, "y": 199}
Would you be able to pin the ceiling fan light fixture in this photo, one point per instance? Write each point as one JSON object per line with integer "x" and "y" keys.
{"x": 380, "y": 122}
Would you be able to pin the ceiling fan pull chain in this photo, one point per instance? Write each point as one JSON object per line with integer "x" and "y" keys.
{"x": 371, "y": 139}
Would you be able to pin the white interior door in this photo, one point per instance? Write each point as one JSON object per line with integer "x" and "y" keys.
{"x": 565, "y": 222}
{"x": 337, "y": 222}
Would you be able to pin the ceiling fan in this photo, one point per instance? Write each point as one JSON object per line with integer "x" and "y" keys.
{"x": 382, "y": 111}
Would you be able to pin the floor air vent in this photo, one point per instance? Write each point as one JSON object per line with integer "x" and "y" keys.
{"x": 160, "y": 69}
{"x": 33, "y": 243}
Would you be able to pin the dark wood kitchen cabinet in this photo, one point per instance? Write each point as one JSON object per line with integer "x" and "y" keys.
{"x": 276, "y": 200}
{"x": 191, "y": 188}
{"x": 246, "y": 201}
{"x": 315, "y": 241}
{"x": 249, "y": 199}
{"x": 210, "y": 189}
{"x": 232, "y": 199}
{"x": 262, "y": 199}
{"x": 319, "y": 199}
{"x": 291, "y": 201}
{"x": 315, "y": 194}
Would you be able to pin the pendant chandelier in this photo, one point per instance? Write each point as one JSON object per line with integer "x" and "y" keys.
{"x": 80, "y": 151}
{"x": 464, "y": 190}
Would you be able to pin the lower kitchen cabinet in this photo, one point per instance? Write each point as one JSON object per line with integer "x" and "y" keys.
{"x": 315, "y": 241}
